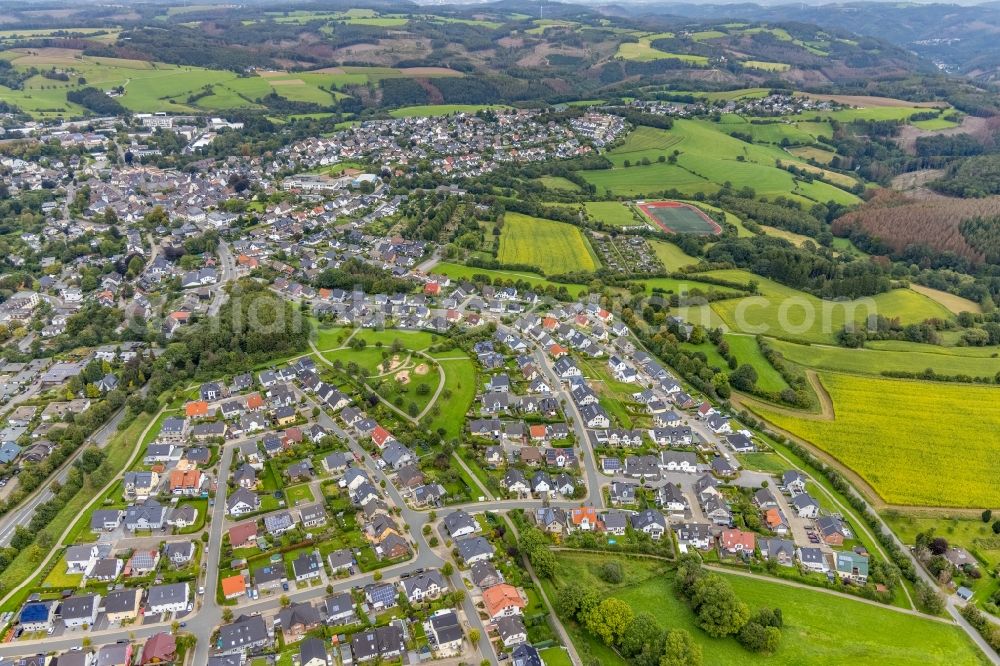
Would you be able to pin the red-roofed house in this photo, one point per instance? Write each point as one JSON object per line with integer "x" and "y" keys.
{"x": 159, "y": 649}
{"x": 196, "y": 409}
{"x": 557, "y": 351}
{"x": 737, "y": 541}
{"x": 243, "y": 535}
{"x": 381, "y": 436}
{"x": 584, "y": 518}
{"x": 539, "y": 432}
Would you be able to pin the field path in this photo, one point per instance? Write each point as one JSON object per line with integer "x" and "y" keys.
{"x": 826, "y": 410}
{"x": 441, "y": 379}
{"x": 823, "y": 590}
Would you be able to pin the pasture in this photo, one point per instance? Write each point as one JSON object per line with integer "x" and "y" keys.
{"x": 808, "y": 636}
{"x": 782, "y": 312}
{"x": 746, "y": 350}
{"x": 427, "y": 110}
{"x": 942, "y": 360}
{"x": 901, "y": 435}
{"x": 643, "y": 51}
{"x": 559, "y": 183}
{"x": 673, "y": 257}
{"x": 767, "y": 66}
{"x": 552, "y": 247}
{"x": 707, "y": 158}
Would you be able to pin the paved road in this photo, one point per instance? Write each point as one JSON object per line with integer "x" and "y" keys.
{"x": 227, "y": 273}
{"x": 23, "y": 513}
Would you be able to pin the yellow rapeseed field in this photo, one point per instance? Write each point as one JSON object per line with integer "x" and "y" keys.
{"x": 916, "y": 443}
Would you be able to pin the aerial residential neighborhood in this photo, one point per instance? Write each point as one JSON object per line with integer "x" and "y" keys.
{"x": 367, "y": 333}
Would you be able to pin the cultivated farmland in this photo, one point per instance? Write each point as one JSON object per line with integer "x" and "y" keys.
{"x": 553, "y": 247}
{"x": 901, "y": 436}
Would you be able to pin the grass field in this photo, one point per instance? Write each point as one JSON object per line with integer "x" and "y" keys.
{"x": 943, "y": 360}
{"x": 612, "y": 212}
{"x": 559, "y": 183}
{"x": 643, "y": 51}
{"x": 767, "y": 66}
{"x": 954, "y": 303}
{"x": 819, "y": 629}
{"x": 460, "y": 380}
{"x": 672, "y": 256}
{"x": 708, "y": 157}
{"x": 786, "y": 313}
{"x": 813, "y": 153}
{"x": 746, "y": 350}
{"x": 554, "y": 247}
{"x": 458, "y": 271}
{"x": 427, "y": 110}
{"x": 916, "y": 443}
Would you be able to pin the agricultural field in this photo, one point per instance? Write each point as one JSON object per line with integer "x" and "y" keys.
{"x": 553, "y": 247}
{"x": 458, "y": 271}
{"x": 643, "y": 51}
{"x": 808, "y": 636}
{"x": 942, "y": 360}
{"x": 954, "y": 303}
{"x": 708, "y": 157}
{"x": 782, "y": 312}
{"x": 812, "y": 153}
{"x": 897, "y": 434}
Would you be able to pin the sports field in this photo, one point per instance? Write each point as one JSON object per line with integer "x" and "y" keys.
{"x": 552, "y": 247}
{"x": 679, "y": 218}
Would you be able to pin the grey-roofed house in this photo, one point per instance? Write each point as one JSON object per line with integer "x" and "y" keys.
{"x": 485, "y": 575}
{"x": 651, "y": 522}
{"x": 341, "y": 560}
{"x": 170, "y": 598}
{"x": 81, "y": 610}
{"x": 420, "y": 586}
{"x": 146, "y": 516}
{"x": 459, "y": 524}
{"x": 474, "y": 549}
{"x": 243, "y": 634}
{"x": 339, "y": 609}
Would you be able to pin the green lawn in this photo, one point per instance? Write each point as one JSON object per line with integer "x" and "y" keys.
{"x": 460, "y": 380}
{"x": 301, "y": 494}
{"x": 614, "y": 213}
{"x": 441, "y": 110}
{"x": 818, "y": 628}
{"x": 559, "y": 183}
